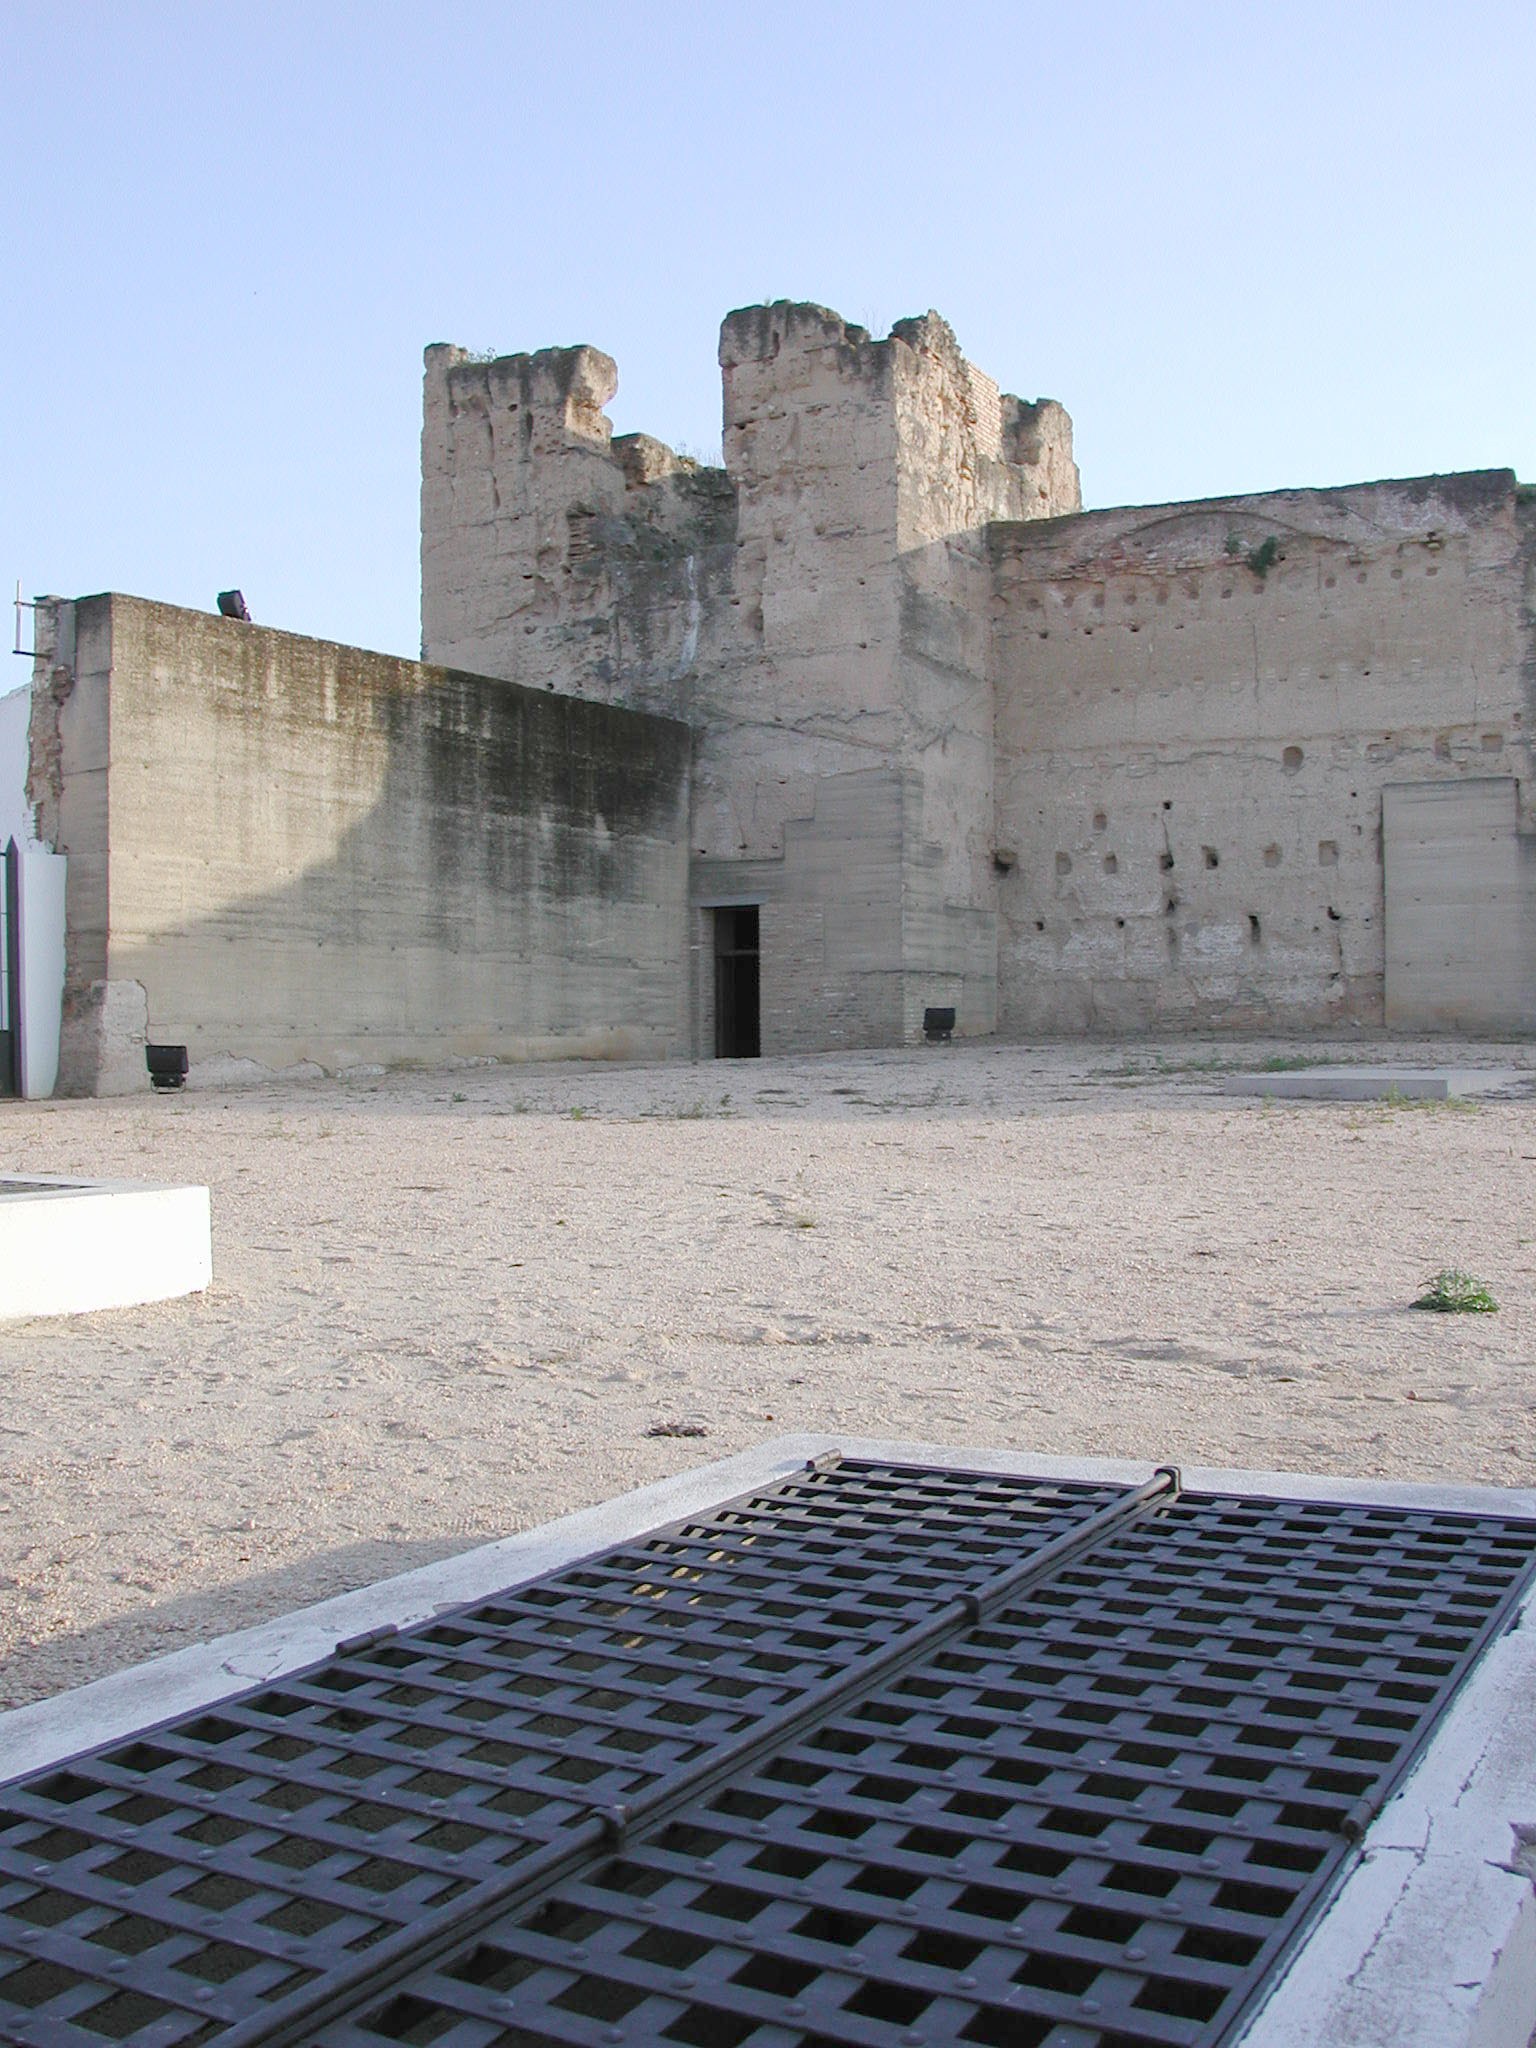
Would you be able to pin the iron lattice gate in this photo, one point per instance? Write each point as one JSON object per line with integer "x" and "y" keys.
{"x": 876, "y": 1755}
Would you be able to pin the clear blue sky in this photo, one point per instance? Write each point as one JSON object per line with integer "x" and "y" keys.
{"x": 1245, "y": 245}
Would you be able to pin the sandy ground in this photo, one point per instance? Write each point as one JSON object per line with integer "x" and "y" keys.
{"x": 450, "y": 1305}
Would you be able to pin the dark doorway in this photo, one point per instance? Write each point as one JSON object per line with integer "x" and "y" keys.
{"x": 10, "y": 970}
{"x": 737, "y": 1034}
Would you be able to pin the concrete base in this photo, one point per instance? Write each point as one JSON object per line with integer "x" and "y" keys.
{"x": 1430, "y": 1943}
{"x": 1373, "y": 1084}
{"x": 70, "y": 1245}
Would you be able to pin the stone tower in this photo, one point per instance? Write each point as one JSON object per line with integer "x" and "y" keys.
{"x": 817, "y": 611}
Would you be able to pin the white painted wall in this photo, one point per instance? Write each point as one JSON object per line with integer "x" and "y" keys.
{"x": 41, "y": 936}
{"x": 41, "y": 946}
{"x": 15, "y": 811}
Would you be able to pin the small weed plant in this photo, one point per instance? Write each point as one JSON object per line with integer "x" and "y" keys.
{"x": 1454, "y": 1105}
{"x": 1453, "y": 1292}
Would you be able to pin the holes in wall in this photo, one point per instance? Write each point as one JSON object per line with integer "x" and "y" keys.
{"x": 1491, "y": 742}
{"x": 1119, "y": 924}
{"x": 1327, "y": 853}
{"x": 1210, "y": 856}
{"x": 1100, "y": 821}
{"x": 1063, "y": 863}
{"x": 1039, "y": 924}
{"x": 1111, "y": 864}
{"x": 1442, "y": 746}
{"x": 1333, "y": 915}
{"x": 1165, "y": 861}
{"x": 1271, "y": 855}
{"x": 1291, "y": 760}
{"x": 1167, "y": 803}
{"x": 1170, "y": 904}
{"x": 1255, "y": 935}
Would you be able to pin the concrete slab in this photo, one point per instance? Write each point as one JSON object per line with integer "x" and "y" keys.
{"x": 67, "y": 1246}
{"x": 1373, "y": 1084}
{"x": 1431, "y": 1942}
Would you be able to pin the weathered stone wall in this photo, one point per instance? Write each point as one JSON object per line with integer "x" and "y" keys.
{"x": 1199, "y": 708}
{"x": 284, "y": 851}
{"x": 552, "y": 554}
{"x": 817, "y": 611}
{"x": 960, "y": 743}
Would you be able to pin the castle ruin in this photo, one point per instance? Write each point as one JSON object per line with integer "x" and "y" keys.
{"x": 873, "y": 721}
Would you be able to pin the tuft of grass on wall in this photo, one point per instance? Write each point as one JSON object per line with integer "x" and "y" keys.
{"x": 1453, "y": 1292}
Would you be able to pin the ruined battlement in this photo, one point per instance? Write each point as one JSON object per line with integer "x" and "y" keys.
{"x": 554, "y": 551}
{"x": 561, "y": 388}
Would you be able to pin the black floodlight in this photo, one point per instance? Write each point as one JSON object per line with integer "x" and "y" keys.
{"x": 167, "y": 1065}
{"x": 232, "y": 605}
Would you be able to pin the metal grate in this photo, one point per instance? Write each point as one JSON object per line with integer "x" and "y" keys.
{"x": 880, "y": 1755}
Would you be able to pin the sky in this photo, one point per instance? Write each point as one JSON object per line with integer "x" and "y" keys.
{"x": 1245, "y": 246}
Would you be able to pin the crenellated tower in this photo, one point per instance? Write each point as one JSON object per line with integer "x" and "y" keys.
{"x": 817, "y": 611}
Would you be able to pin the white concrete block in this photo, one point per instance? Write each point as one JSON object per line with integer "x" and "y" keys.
{"x": 68, "y": 1246}
{"x": 1373, "y": 1084}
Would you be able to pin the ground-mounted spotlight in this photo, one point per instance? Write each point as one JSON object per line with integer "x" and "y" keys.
{"x": 167, "y": 1065}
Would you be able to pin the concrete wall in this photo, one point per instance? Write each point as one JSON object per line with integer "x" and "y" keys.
{"x": 283, "y": 851}
{"x": 1199, "y": 709}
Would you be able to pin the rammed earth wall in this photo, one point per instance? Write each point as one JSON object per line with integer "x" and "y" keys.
{"x": 1203, "y": 712}
{"x": 817, "y": 611}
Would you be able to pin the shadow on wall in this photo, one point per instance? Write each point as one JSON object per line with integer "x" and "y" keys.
{"x": 455, "y": 865}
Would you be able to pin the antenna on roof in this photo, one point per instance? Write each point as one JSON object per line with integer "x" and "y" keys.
{"x": 24, "y": 604}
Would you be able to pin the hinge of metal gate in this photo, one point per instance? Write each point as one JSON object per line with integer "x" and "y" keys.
{"x": 1353, "y": 1825}
{"x": 350, "y": 1645}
